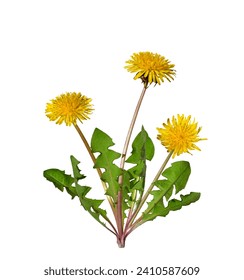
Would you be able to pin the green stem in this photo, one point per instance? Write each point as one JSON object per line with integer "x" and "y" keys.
{"x": 144, "y": 198}
{"x": 127, "y": 140}
{"x": 123, "y": 157}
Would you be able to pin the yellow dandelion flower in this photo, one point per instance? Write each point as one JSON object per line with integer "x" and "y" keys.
{"x": 68, "y": 108}
{"x": 180, "y": 135}
{"x": 150, "y": 67}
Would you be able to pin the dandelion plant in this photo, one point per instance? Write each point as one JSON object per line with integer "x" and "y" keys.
{"x": 123, "y": 176}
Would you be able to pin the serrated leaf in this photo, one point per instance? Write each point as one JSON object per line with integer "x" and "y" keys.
{"x": 60, "y": 180}
{"x": 100, "y": 143}
{"x": 89, "y": 204}
{"x": 173, "y": 205}
{"x": 178, "y": 174}
{"x": 63, "y": 181}
{"x": 125, "y": 190}
{"x": 164, "y": 187}
{"x": 76, "y": 170}
{"x": 176, "y": 204}
{"x": 142, "y": 148}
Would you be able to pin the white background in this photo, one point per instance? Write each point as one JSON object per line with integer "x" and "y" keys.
{"x": 50, "y": 47}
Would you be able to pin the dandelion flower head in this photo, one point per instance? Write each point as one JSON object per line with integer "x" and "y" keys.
{"x": 180, "y": 135}
{"x": 68, "y": 108}
{"x": 150, "y": 67}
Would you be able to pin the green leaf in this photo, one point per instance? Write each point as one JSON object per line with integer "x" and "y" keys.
{"x": 60, "y": 180}
{"x": 142, "y": 148}
{"x": 178, "y": 174}
{"x": 77, "y": 175}
{"x": 71, "y": 184}
{"x": 100, "y": 143}
{"x": 173, "y": 205}
{"x": 125, "y": 187}
{"x": 165, "y": 187}
{"x": 90, "y": 205}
